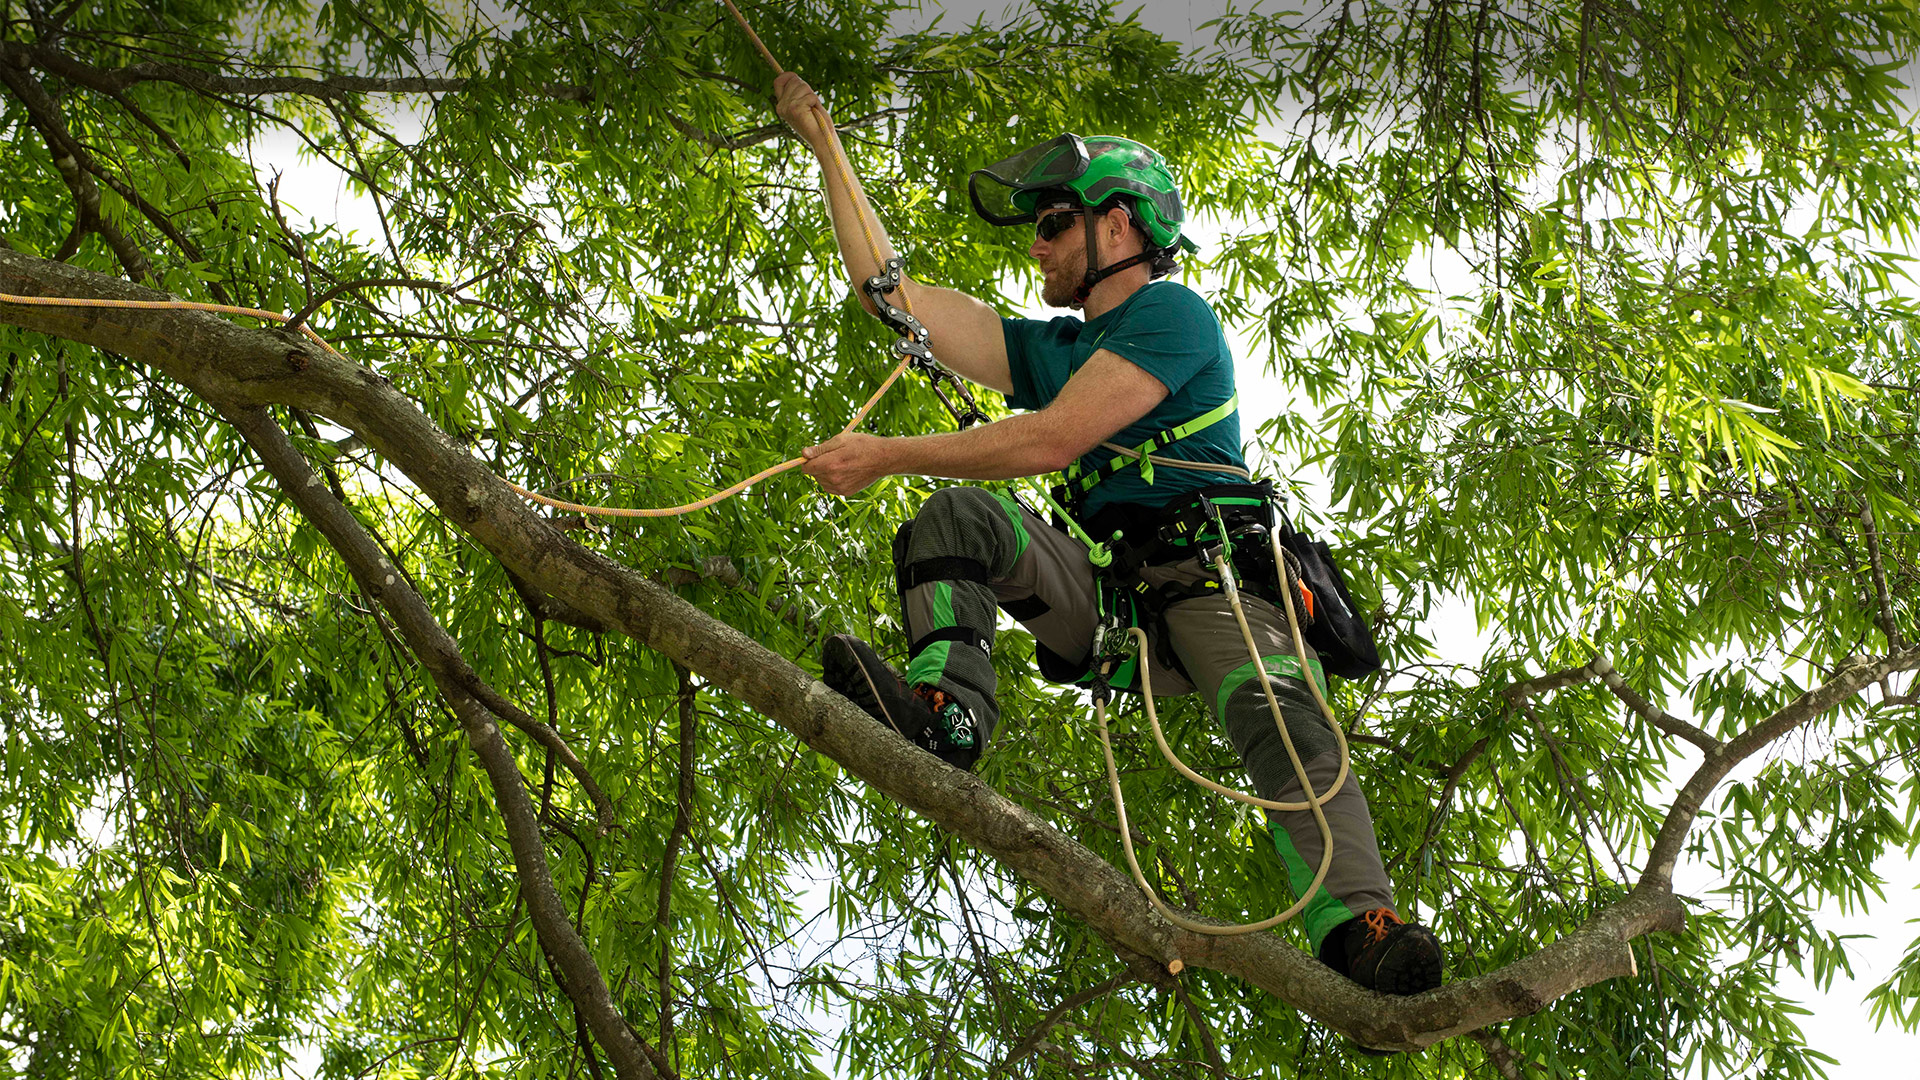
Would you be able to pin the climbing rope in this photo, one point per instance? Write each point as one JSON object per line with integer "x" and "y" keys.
{"x": 1313, "y": 802}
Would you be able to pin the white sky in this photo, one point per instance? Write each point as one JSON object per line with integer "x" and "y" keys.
{"x": 1838, "y": 1027}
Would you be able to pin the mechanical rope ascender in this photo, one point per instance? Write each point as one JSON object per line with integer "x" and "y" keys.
{"x": 912, "y": 345}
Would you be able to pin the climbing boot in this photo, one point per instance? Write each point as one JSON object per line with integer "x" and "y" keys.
{"x": 926, "y": 716}
{"x": 1382, "y": 952}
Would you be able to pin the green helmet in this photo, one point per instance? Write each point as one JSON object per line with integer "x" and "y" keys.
{"x": 1095, "y": 171}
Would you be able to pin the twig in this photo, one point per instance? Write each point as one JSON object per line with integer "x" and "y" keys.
{"x": 1519, "y": 692}
{"x": 1500, "y": 1055}
{"x": 682, "y": 821}
{"x": 1074, "y": 1001}
{"x": 1200, "y": 1024}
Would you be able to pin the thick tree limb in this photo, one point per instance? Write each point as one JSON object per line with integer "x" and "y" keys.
{"x": 237, "y": 366}
{"x": 574, "y": 966}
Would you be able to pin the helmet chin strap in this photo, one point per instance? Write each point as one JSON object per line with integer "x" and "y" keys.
{"x": 1097, "y": 274}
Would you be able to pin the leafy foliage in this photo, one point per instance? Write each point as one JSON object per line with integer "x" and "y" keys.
{"x": 1664, "y": 409}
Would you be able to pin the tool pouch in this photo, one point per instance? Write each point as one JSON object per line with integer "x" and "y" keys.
{"x": 1337, "y": 631}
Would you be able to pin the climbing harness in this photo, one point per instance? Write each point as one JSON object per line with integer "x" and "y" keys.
{"x": 1119, "y": 649}
{"x": 1079, "y": 482}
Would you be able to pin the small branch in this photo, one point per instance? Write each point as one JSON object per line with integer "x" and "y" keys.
{"x": 1852, "y": 676}
{"x": 1651, "y": 713}
{"x": 67, "y": 156}
{"x": 547, "y": 737}
{"x": 1200, "y": 1024}
{"x": 682, "y": 821}
{"x": 300, "y": 317}
{"x": 1571, "y": 784}
{"x": 1500, "y": 1055}
{"x": 1887, "y": 625}
{"x": 1519, "y": 692}
{"x": 1454, "y": 773}
{"x": 1074, "y": 1001}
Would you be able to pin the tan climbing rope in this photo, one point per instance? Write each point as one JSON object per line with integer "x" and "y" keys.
{"x": 1313, "y": 802}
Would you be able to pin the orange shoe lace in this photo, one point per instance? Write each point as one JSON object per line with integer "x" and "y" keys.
{"x": 1377, "y": 922}
{"x": 932, "y": 695}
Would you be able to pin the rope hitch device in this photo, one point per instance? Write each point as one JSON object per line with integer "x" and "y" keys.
{"x": 912, "y": 345}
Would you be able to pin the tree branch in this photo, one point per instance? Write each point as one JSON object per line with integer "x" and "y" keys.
{"x": 1519, "y": 692}
{"x": 67, "y": 153}
{"x": 1853, "y": 675}
{"x": 1887, "y": 624}
{"x": 1199, "y": 1020}
{"x": 1501, "y": 1056}
{"x": 682, "y": 821}
{"x": 1602, "y": 668}
{"x": 1074, "y": 1001}
{"x": 575, "y": 969}
{"x": 1651, "y": 713}
{"x": 111, "y": 80}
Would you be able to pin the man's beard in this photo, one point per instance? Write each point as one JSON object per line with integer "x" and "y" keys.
{"x": 1059, "y": 289}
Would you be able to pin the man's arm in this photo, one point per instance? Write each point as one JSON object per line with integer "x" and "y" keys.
{"x": 966, "y": 332}
{"x": 1102, "y": 398}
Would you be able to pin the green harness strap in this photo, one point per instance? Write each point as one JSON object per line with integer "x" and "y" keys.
{"x": 1079, "y": 482}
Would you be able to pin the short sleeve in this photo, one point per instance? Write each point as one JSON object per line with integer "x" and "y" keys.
{"x": 1169, "y": 332}
{"x": 1037, "y": 354}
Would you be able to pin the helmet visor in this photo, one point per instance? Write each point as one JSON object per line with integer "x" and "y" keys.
{"x": 1053, "y": 163}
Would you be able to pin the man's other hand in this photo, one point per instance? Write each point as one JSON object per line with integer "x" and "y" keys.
{"x": 848, "y": 463}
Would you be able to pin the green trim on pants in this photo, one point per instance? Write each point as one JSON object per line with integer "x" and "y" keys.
{"x": 1018, "y": 518}
{"x": 1285, "y": 666}
{"x": 1323, "y": 912}
{"x": 927, "y": 668}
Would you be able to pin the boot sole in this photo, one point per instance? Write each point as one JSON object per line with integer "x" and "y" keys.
{"x": 1415, "y": 966}
{"x": 844, "y": 670}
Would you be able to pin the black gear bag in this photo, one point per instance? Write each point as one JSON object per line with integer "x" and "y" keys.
{"x": 1337, "y": 631}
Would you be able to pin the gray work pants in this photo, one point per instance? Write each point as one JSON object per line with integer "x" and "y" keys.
{"x": 970, "y": 551}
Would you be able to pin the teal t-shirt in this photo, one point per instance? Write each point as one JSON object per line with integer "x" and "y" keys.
{"x": 1170, "y": 333}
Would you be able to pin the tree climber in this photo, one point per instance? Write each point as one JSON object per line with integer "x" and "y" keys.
{"x": 1149, "y": 359}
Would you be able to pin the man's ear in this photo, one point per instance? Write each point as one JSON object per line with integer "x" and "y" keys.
{"x": 1117, "y": 230}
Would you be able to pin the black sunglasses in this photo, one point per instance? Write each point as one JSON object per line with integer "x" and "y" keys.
{"x": 1054, "y": 224}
